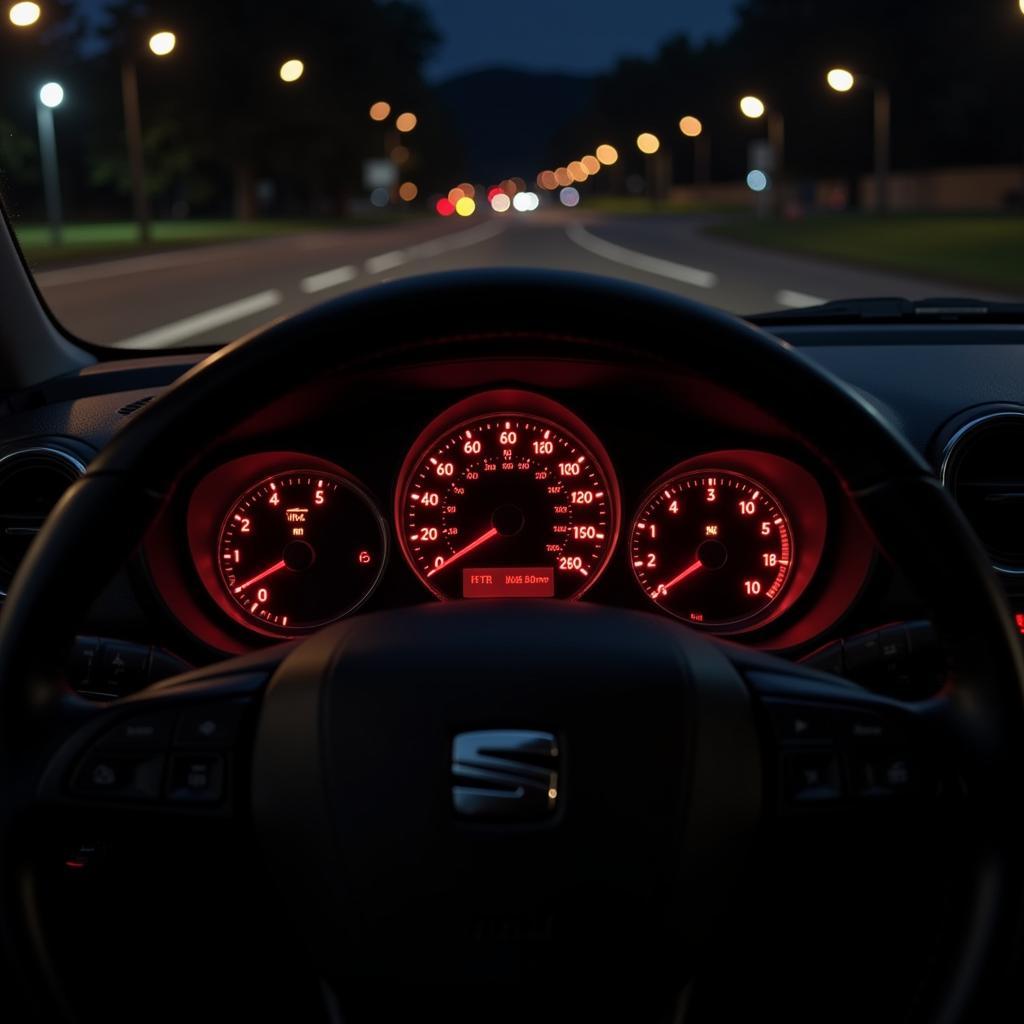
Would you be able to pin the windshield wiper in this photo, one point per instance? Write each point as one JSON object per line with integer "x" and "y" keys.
{"x": 896, "y": 310}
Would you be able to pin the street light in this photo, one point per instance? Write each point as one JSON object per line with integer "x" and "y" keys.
{"x": 692, "y": 128}
{"x": 842, "y": 80}
{"x": 755, "y": 108}
{"x": 292, "y": 70}
{"x": 50, "y": 97}
{"x": 23, "y": 15}
{"x": 160, "y": 44}
{"x": 752, "y": 107}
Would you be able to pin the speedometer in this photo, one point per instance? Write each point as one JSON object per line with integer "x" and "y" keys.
{"x": 507, "y": 504}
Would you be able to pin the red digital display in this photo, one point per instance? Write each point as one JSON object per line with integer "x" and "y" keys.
{"x": 508, "y": 581}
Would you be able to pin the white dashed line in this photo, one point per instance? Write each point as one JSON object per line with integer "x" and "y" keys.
{"x": 328, "y": 279}
{"x": 199, "y": 323}
{"x": 640, "y": 261}
{"x": 797, "y": 300}
{"x": 385, "y": 261}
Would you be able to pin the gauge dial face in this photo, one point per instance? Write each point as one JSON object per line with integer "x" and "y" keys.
{"x": 300, "y": 549}
{"x": 507, "y": 505}
{"x": 713, "y": 548}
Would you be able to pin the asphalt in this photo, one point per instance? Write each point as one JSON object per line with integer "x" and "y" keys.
{"x": 209, "y": 295}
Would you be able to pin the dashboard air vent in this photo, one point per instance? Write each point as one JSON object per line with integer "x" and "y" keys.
{"x": 983, "y": 467}
{"x": 31, "y": 483}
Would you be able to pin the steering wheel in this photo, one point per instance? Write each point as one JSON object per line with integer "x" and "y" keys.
{"x": 655, "y": 755}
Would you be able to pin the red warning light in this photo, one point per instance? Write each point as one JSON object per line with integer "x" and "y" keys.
{"x": 444, "y": 207}
{"x": 364, "y": 557}
{"x": 1019, "y": 619}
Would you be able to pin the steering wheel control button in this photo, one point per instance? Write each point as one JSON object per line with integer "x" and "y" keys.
{"x": 884, "y": 774}
{"x": 119, "y": 777}
{"x": 800, "y": 723}
{"x": 141, "y": 732}
{"x": 811, "y": 777}
{"x": 197, "y": 778}
{"x": 215, "y": 725}
{"x": 506, "y": 775}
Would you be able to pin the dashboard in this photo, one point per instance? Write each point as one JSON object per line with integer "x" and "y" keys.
{"x": 514, "y": 479}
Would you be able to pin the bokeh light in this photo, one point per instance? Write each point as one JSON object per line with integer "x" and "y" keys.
{"x": 444, "y": 207}
{"x": 24, "y": 14}
{"x": 500, "y": 202}
{"x": 591, "y": 163}
{"x": 51, "y": 95}
{"x": 752, "y": 107}
{"x": 840, "y": 79}
{"x": 648, "y": 143}
{"x": 468, "y": 189}
{"x": 399, "y": 155}
{"x": 379, "y": 197}
{"x": 563, "y": 177}
{"x": 162, "y": 43}
{"x": 465, "y": 207}
{"x": 408, "y": 191}
{"x": 455, "y": 194}
{"x": 547, "y": 180}
{"x": 380, "y": 111}
{"x": 690, "y": 126}
{"x": 757, "y": 181}
{"x": 525, "y": 202}
{"x": 577, "y": 171}
{"x": 292, "y": 70}
{"x": 569, "y": 196}
{"x": 405, "y": 122}
{"x": 607, "y": 154}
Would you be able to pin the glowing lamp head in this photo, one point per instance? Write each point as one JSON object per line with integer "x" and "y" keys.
{"x": 840, "y": 79}
{"x": 648, "y": 143}
{"x": 162, "y": 43}
{"x": 752, "y": 107}
{"x": 24, "y": 14}
{"x": 380, "y": 111}
{"x": 690, "y": 126}
{"x": 406, "y": 122}
{"x": 51, "y": 95}
{"x": 292, "y": 70}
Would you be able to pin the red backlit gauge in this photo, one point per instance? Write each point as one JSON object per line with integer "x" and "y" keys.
{"x": 507, "y": 505}
{"x": 300, "y": 549}
{"x": 713, "y": 548}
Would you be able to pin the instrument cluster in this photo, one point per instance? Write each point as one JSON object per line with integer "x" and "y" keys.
{"x": 505, "y": 494}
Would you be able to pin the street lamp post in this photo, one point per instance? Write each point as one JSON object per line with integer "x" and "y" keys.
{"x": 50, "y": 97}
{"x": 842, "y": 80}
{"x": 160, "y": 45}
{"x": 754, "y": 108}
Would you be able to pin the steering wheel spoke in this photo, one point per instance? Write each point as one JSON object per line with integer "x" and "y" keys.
{"x": 181, "y": 747}
{"x": 830, "y": 745}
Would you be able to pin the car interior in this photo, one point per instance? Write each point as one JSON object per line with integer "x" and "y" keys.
{"x": 511, "y": 643}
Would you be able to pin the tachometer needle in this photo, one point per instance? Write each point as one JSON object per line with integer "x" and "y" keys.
{"x": 276, "y": 567}
{"x": 482, "y": 539}
{"x": 664, "y": 588}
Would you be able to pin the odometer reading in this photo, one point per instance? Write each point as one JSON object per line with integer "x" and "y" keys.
{"x": 507, "y": 505}
{"x": 713, "y": 548}
{"x": 300, "y": 549}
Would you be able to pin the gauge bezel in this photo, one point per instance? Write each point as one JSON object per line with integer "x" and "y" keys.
{"x": 746, "y": 622}
{"x": 499, "y": 403}
{"x": 219, "y": 491}
{"x": 344, "y": 480}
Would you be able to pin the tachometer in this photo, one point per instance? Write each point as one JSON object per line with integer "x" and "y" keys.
{"x": 300, "y": 549}
{"x": 713, "y": 548}
{"x": 507, "y": 504}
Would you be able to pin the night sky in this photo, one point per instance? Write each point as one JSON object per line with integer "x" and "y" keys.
{"x": 560, "y": 35}
{"x": 564, "y": 35}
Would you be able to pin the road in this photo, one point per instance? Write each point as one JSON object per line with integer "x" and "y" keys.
{"x": 209, "y": 295}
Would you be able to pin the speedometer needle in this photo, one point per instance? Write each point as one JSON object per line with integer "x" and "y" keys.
{"x": 482, "y": 539}
{"x": 276, "y": 567}
{"x": 664, "y": 588}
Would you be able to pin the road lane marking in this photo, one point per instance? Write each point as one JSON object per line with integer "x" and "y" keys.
{"x": 199, "y": 323}
{"x": 797, "y": 300}
{"x": 130, "y": 265}
{"x": 385, "y": 261}
{"x": 461, "y": 240}
{"x": 638, "y": 260}
{"x": 328, "y": 279}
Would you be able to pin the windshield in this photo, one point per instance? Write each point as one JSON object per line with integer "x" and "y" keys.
{"x": 178, "y": 173}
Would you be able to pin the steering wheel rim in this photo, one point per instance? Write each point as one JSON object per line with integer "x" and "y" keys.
{"x": 104, "y": 515}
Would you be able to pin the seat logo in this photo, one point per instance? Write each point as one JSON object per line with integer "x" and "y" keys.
{"x": 505, "y": 774}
